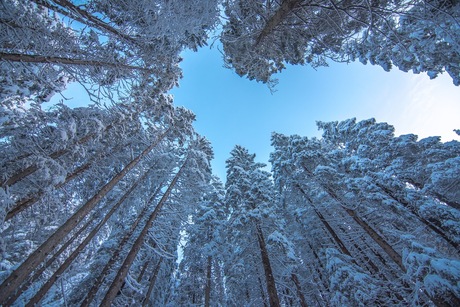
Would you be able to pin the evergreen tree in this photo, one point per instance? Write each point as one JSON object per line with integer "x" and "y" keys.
{"x": 261, "y": 37}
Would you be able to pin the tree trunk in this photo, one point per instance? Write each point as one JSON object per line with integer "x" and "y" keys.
{"x": 40, "y": 271}
{"x": 439, "y": 196}
{"x": 35, "y": 58}
{"x": 368, "y": 229}
{"x": 331, "y": 231}
{"x": 294, "y": 278}
{"x": 26, "y": 203}
{"x": 123, "y": 271}
{"x": 286, "y": 7}
{"x": 373, "y": 234}
{"x": 98, "y": 281}
{"x": 207, "y": 292}
{"x": 271, "y": 287}
{"x": 262, "y": 292}
{"x": 153, "y": 280}
{"x": 12, "y": 282}
{"x": 44, "y": 289}
{"x": 143, "y": 270}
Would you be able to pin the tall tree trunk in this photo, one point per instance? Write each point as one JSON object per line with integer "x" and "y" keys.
{"x": 27, "y": 202}
{"x": 331, "y": 231}
{"x": 270, "y": 279}
{"x": 44, "y": 289}
{"x": 153, "y": 280}
{"x": 12, "y": 282}
{"x": 48, "y": 262}
{"x": 207, "y": 292}
{"x": 395, "y": 256}
{"x": 99, "y": 280}
{"x": 143, "y": 270}
{"x": 262, "y": 292}
{"x": 437, "y": 195}
{"x": 366, "y": 227}
{"x": 36, "y": 58}
{"x": 123, "y": 271}
{"x": 294, "y": 278}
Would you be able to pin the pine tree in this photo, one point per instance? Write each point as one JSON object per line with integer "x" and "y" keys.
{"x": 261, "y": 37}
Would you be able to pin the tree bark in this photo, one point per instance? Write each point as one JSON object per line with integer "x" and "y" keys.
{"x": 143, "y": 270}
{"x": 18, "y": 276}
{"x": 40, "y": 271}
{"x": 286, "y": 7}
{"x": 98, "y": 281}
{"x": 435, "y": 228}
{"x": 34, "y": 58}
{"x": 207, "y": 292}
{"x": 44, "y": 289}
{"x": 123, "y": 271}
{"x": 153, "y": 280}
{"x": 269, "y": 278}
{"x": 331, "y": 231}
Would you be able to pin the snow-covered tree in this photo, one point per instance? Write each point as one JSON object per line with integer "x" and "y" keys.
{"x": 250, "y": 200}
{"x": 350, "y": 181}
{"x": 105, "y": 45}
{"x": 261, "y": 37}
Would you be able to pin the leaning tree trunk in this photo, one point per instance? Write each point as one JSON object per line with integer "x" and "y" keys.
{"x": 18, "y": 276}
{"x": 153, "y": 280}
{"x": 435, "y": 226}
{"x": 207, "y": 291}
{"x": 331, "y": 231}
{"x": 44, "y": 289}
{"x": 286, "y": 7}
{"x": 73, "y": 11}
{"x": 294, "y": 278}
{"x": 99, "y": 280}
{"x": 389, "y": 250}
{"x": 270, "y": 279}
{"x": 37, "y": 58}
{"x": 48, "y": 262}
{"x": 124, "y": 269}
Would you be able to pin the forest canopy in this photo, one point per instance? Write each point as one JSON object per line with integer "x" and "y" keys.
{"x": 115, "y": 203}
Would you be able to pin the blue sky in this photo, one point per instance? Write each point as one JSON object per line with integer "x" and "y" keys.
{"x": 232, "y": 110}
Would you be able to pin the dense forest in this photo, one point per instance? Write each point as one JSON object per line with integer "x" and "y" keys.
{"x": 115, "y": 203}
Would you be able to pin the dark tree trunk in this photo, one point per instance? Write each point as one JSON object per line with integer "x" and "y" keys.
{"x": 99, "y": 280}
{"x": 294, "y": 278}
{"x": 123, "y": 271}
{"x": 36, "y": 58}
{"x": 153, "y": 280}
{"x": 207, "y": 292}
{"x": 44, "y": 289}
{"x": 270, "y": 279}
{"x": 18, "y": 276}
{"x": 286, "y": 7}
